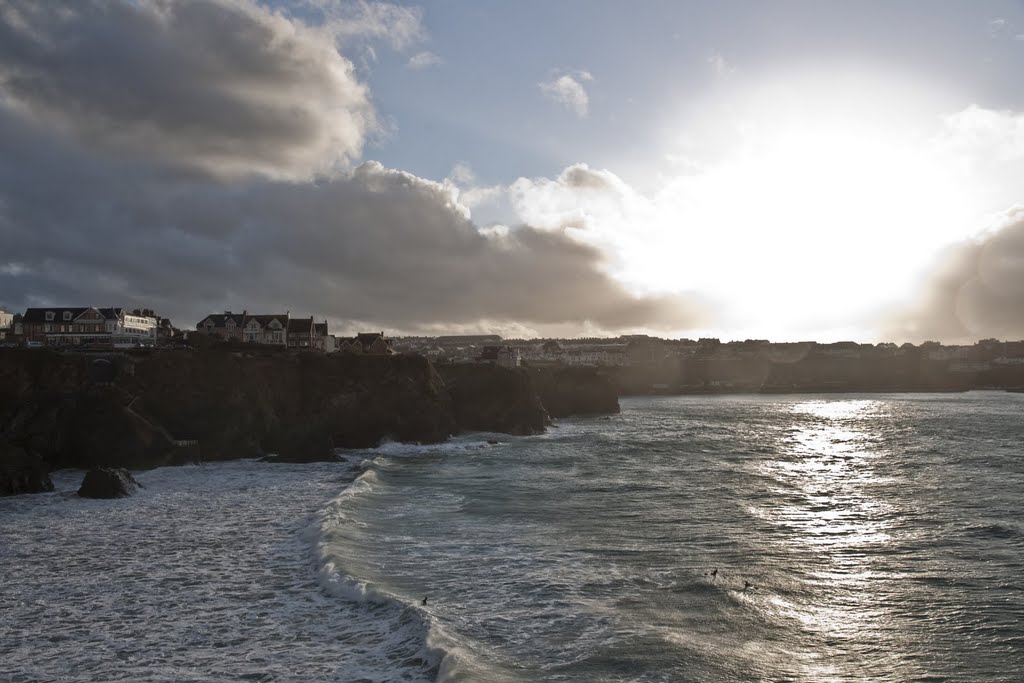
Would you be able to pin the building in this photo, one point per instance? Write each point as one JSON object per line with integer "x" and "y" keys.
{"x": 87, "y": 325}
{"x": 322, "y": 340}
{"x": 266, "y": 329}
{"x": 6, "y": 324}
{"x": 301, "y": 333}
{"x": 502, "y": 356}
{"x": 246, "y": 327}
{"x": 227, "y": 325}
{"x": 165, "y": 331}
{"x": 366, "y": 343}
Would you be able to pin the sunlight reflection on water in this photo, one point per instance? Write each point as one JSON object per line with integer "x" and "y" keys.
{"x": 829, "y": 510}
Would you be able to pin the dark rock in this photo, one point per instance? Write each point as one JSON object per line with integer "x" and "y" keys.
{"x": 108, "y": 482}
{"x": 206, "y": 405}
{"x": 566, "y": 391}
{"x": 21, "y": 472}
{"x": 306, "y": 446}
{"x": 230, "y": 405}
{"x": 493, "y": 399}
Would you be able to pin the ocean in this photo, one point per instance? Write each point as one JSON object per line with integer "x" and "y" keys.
{"x": 868, "y": 537}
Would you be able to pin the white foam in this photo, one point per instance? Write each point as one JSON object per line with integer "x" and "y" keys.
{"x": 208, "y": 573}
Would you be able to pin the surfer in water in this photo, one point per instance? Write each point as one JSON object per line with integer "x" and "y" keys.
{"x": 746, "y": 585}
{"x": 424, "y": 600}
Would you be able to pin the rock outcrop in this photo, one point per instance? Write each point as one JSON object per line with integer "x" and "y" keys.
{"x": 108, "y": 482}
{"x": 150, "y": 409}
{"x": 566, "y": 391}
{"x": 173, "y": 407}
{"x": 493, "y": 399}
{"x": 21, "y": 472}
{"x": 298, "y": 406}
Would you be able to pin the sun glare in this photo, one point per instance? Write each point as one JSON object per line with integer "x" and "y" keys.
{"x": 809, "y": 216}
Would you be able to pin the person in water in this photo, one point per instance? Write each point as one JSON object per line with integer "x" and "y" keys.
{"x": 746, "y": 585}
{"x": 424, "y": 600}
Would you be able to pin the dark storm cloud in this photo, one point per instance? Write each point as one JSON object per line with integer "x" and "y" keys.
{"x": 218, "y": 85}
{"x": 975, "y": 291}
{"x": 158, "y": 184}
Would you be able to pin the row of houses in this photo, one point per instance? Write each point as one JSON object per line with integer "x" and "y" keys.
{"x": 88, "y": 327}
{"x": 280, "y": 329}
{"x": 81, "y": 326}
{"x": 277, "y": 329}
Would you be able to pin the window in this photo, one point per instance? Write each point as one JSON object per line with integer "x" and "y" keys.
{"x": 67, "y": 315}
{"x": 49, "y": 316}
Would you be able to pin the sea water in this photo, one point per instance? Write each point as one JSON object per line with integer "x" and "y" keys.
{"x": 777, "y": 538}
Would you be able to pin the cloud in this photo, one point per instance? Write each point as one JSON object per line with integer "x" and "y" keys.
{"x": 222, "y": 87}
{"x": 350, "y": 21}
{"x": 581, "y": 198}
{"x": 567, "y": 89}
{"x": 719, "y": 65}
{"x": 423, "y": 60}
{"x": 470, "y": 193}
{"x": 985, "y": 133}
{"x": 974, "y": 290}
{"x": 108, "y": 197}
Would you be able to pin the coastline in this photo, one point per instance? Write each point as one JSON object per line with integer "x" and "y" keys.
{"x": 165, "y": 408}
{"x": 209, "y": 567}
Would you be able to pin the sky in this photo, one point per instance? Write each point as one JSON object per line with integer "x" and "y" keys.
{"x": 776, "y": 170}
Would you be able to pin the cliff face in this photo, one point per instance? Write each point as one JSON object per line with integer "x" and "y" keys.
{"x": 84, "y": 411}
{"x": 566, "y": 391}
{"x": 80, "y": 411}
{"x": 299, "y": 406}
{"x": 493, "y": 399}
{"x": 21, "y": 472}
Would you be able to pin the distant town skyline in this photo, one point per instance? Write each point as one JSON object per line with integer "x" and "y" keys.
{"x": 786, "y": 171}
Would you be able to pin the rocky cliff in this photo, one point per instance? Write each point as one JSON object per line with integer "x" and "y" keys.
{"x": 138, "y": 411}
{"x": 21, "y": 472}
{"x": 494, "y": 399}
{"x": 162, "y": 408}
{"x": 566, "y": 391}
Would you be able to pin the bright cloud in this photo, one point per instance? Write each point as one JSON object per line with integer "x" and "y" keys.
{"x": 992, "y": 134}
{"x": 973, "y": 290}
{"x": 719, "y": 65}
{"x": 423, "y": 60}
{"x": 807, "y": 224}
{"x": 567, "y": 90}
